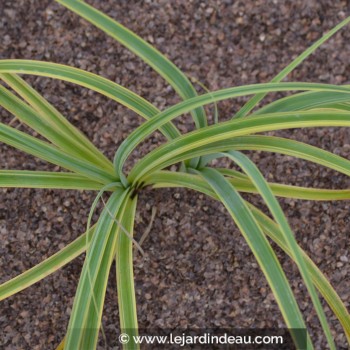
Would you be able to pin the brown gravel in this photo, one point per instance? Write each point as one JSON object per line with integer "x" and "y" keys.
{"x": 198, "y": 271}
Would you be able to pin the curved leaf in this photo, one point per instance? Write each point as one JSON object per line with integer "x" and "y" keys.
{"x": 90, "y": 81}
{"x": 261, "y": 249}
{"x": 45, "y": 268}
{"x": 146, "y": 129}
{"x": 142, "y": 49}
{"x": 206, "y": 137}
{"x": 304, "y": 101}
{"x": 45, "y": 151}
{"x": 268, "y": 144}
{"x": 281, "y": 75}
{"x": 84, "y": 323}
{"x": 261, "y": 185}
{"x": 46, "y": 179}
{"x": 272, "y": 230}
{"x": 161, "y": 179}
{"x": 48, "y": 122}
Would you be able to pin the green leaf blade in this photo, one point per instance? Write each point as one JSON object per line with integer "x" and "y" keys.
{"x": 287, "y": 191}
{"x": 261, "y": 249}
{"x": 260, "y": 183}
{"x": 146, "y": 129}
{"x": 46, "y": 120}
{"x": 212, "y": 135}
{"x": 303, "y": 101}
{"x": 46, "y": 179}
{"x": 91, "y": 81}
{"x": 45, "y": 151}
{"x": 142, "y": 49}
{"x": 84, "y": 323}
{"x": 270, "y": 228}
{"x": 281, "y": 75}
{"x": 45, "y": 268}
{"x": 125, "y": 276}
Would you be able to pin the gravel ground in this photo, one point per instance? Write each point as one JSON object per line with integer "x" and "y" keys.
{"x": 198, "y": 271}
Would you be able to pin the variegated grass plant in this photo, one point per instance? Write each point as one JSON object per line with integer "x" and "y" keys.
{"x": 312, "y": 105}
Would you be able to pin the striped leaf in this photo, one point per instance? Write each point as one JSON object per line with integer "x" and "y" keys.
{"x": 282, "y": 74}
{"x": 85, "y": 320}
{"x": 45, "y": 151}
{"x": 47, "y": 121}
{"x": 262, "y": 143}
{"x": 152, "y": 125}
{"x": 46, "y": 179}
{"x": 142, "y": 49}
{"x": 161, "y": 179}
{"x": 272, "y": 230}
{"x": 304, "y": 101}
{"x": 168, "y": 153}
{"x": 261, "y": 249}
{"x": 91, "y": 81}
{"x": 261, "y": 185}
{"x": 125, "y": 276}
{"x": 45, "y": 268}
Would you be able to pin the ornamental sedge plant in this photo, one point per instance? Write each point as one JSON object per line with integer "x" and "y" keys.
{"x": 86, "y": 168}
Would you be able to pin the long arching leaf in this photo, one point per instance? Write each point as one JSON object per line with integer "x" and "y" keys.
{"x": 91, "y": 81}
{"x": 161, "y": 179}
{"x": 46, "y": 179}
{"x": 125, "y": 276}
{"x": 282, "y": 74}
{"x": 146, "y": 129}
{"x": 304, "y": 101}
{"x": 270, "y": 200}
{"x": 46, "y": 120}
{"x": 45, "y": 268}
{"x": 270, "y": 228}
{"x": 45, "y": 151}
{"x": 261, "y": 249}
{"x": 84, "y": 323}
{"x": 142, "y": 49}
{"x": 208, "y": 136}
{"x": 261, "y": 143}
